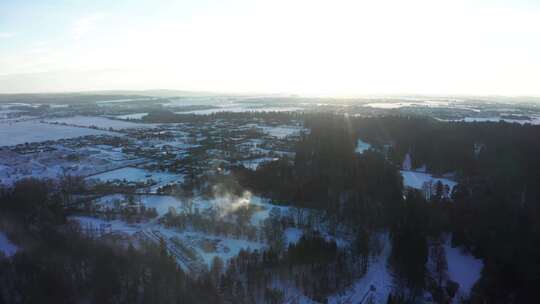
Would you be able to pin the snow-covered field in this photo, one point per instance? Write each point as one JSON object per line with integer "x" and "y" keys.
{"x": 105, "y": 102}
{"x": 223, "y": 247}
{"x": 462, "y": 268}
{"x": 98, "y": 122}
{"x": 282, "y": 131}
{"x": 128, "y": 174}
{"x": 160, "y": 202}
{"x": 6, "y": 246}
{"x": 416, "y": 180}
{"x": 62, "y": 160}
{"x": 132, "y": 116}
{"x": 34, "y": 131}
{"x": 7, "y": 113}
{"x": 223, "y": 203}
{"x": 533, "y": 120}
{"x": 397, "y": 105}
{"x": 226, "y": 247}
{"x": 137, "y": 175}
{"x": 92, "y": 223}
{"x": 237, "y": 108}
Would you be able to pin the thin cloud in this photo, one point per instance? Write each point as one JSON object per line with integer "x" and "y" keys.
{"x": 5, "y": 35}
{"x": 85, "y": 25}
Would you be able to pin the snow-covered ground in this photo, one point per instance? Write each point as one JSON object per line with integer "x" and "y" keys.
{"x": 132, "y": 116}
{"x": 226, "y": 247}
{"x": 223, "y": 204}
{"x": 253, "y": 164}
{"x": 105, "y": 102}
{"x": 6, "y": 246}
{"x": 98, "y": 122}
{"x": 236, "y": 107}
{"x": 92, "y": 223}
{"x": 131, "y": 174}
{"x": 397, "y": 105}
{"x": 293, "y": 235}
{"x": 7, "y": 113}
{"x": 362, "y": 146}
{"x": 16, "y": 104}
{"x": 463, "y": 268}
{"x": 62, "y": 160}
{"x": 416, "y": 180}
{"x": 534, "y": 120}
{"x": 161, "y": 203}
{"x": 206, "y": 246}
{"x": 282, "y": 131}
{"x": 377, "y": 275}
{"x": 138, "y": 175}
{"x": 33, "y": 131}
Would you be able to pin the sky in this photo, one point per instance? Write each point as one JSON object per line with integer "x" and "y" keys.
{"x": 308, "y": 47}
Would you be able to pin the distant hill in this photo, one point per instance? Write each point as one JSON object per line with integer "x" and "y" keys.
{"x": 63, "y": 98}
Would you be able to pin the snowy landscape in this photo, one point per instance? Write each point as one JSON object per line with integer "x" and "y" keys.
{"x": 270, "y": 152}
{"x": 184, "y": 180}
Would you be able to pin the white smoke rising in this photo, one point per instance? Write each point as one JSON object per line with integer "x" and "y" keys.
{"x": 226, "y": 202}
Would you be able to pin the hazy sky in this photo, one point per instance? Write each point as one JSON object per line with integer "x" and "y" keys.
{"x": 308, "y": 47}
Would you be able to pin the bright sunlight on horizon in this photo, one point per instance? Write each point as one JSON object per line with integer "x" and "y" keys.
{"x": 316, "y": 48}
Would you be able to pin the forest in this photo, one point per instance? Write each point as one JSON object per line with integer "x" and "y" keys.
{"x": 494, "y": 210}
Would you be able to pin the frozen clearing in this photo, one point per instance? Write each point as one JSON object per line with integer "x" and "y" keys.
{"x": 362, "y": 146}
{"x": 417, "y": 179}
{"x": 34, "y": 131}
{"x": 98, "y": 122}
{"x": 7, "y": 247}
{"x": 462, "y": 268}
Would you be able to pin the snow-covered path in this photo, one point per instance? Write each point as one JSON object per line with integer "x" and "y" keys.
{"x": 6, "y": 246}
{"x": 462, "y": 268}
{"x": 377, "y": 276}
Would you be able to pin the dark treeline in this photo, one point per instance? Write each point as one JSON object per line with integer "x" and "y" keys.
{"x": 327, "y": 174}
{"x": 502, "y": 149}
{"x": 496, "y": 209}
{"x": 314, "y": 266}
{"x": 165, "y": 116}
{"x": 59, "y": 264}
